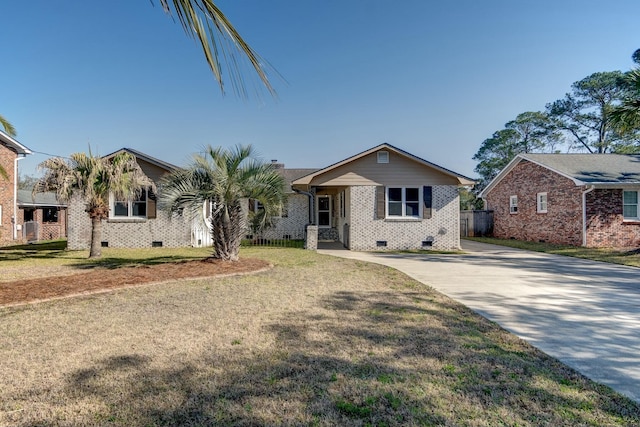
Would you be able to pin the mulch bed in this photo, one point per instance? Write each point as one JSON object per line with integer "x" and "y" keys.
{"x": 102, "y": 279}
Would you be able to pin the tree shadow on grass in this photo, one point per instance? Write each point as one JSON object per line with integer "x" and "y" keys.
{"x": 120, "y": 262}
{"x": 50, "y": 249}
{"x": 371, "y": 358}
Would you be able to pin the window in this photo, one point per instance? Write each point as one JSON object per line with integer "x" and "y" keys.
{"x": 29, "y": 215}
{"x": 324, "y": 211}
{"x": 542, "y": 202}
{"x": 630, "y": 205}
{"x": 383, "y": 157}
{"x": 136, "y": 208}
{"x": 513, "y": 204}
{"x": 49, "y": 214}
{"x": 257, "y": 206}
{"x": 403, "y": 202}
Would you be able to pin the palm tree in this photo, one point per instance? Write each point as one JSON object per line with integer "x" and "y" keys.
{"x": 627, "y": 114}
{"x": 11, "y": 131}
{"x": 93, "y": 179}
{"x": 204, "y": 21}
{"x": 223, "y": 178}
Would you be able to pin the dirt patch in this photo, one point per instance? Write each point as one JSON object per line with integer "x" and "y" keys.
{"x": 103, "y": 279}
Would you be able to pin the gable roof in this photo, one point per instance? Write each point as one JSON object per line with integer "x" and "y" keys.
{"x": 600, "y": 170}
{"x": 462, "y": 180}
{"x": 26, "y": 198}
{"x": 139, "y": 155}
{"x": 10, "y": 142}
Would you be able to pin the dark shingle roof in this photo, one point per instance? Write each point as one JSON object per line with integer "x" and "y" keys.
{"x": 592, "y": 168}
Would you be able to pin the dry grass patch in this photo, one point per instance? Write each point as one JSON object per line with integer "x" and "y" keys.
{"x": 314, "y": 341}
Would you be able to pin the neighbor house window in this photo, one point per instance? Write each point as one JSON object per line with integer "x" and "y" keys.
{"x": 29, "y": 215}
{"x": 404, "y": 202}
{"x": 542, "y": 202}
{"x": 50, "y": 214}
{"x": 136, "y": 208}
{"x": 513, "y": 204}
{"x": 630, "y": 205}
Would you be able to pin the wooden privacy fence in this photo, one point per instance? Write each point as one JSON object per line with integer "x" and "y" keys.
{"x": 476, "y": 223}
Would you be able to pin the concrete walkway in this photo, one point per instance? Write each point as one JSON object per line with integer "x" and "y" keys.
{"x": 584, "y": 313}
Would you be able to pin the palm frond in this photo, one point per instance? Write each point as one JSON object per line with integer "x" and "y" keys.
{"x": 8, "y": 127}
{"x": 205, "y": 22}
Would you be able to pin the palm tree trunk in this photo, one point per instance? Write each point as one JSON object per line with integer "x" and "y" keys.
{"x": 226, "y": 234}
{"x": 96, "y": 236}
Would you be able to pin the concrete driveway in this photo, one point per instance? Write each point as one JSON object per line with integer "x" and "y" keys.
{"x": 584, "y": 313}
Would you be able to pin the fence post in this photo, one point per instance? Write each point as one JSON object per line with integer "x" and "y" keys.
{"x": 311, "y": 238}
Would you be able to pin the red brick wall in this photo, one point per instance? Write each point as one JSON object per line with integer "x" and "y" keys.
{"x": 46, "y": 230}
{"x": 605, "y": 223}
{"x": 562, "y": 224}
{"x": 7, "y": 157}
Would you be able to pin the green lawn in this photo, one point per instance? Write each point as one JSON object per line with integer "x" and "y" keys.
{"x": 630, "y": 257}
{"x": 316, "y": 341}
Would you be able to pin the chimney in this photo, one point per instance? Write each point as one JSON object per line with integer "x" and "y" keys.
{"x": 276, "y": 165}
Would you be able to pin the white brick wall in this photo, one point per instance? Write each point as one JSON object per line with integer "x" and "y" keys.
{"x": 442, "y": 228}
{"x": 295, "y": 221}
{"x": 172, "y": 232}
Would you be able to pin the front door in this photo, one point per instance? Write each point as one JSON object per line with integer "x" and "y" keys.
{"x": 323, "y": 212}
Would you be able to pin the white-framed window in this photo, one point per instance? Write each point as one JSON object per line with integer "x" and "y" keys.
{"x": 541, "y": 202}
{"x": 404, "y": 202}
{"x": 383, "y": 157}
{"x": 136, "y": 208}
{"x": 513, "y": 204}
{"x": 324, "y": 211}
{"x": 630, "y": 205}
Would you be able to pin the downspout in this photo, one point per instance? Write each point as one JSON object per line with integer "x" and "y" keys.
{"x": 311, "y": 203}
{"x": 584, "y": 214}
{"x": 14, "y": 218}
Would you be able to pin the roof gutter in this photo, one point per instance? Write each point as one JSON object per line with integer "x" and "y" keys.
{"x": 311, "y": 207}
{"x": 584, "y": 213}
{"x": 14, "y": 218}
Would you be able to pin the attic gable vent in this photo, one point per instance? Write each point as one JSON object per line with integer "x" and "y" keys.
{"x": 383, "y": 157}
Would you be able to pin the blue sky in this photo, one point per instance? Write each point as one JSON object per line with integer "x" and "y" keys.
{"x": 432, "y": 78}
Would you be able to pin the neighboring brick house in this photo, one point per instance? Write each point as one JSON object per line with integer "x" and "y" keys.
{"x": 590, "y": 200}
{"x": 41, "y": 216}
{"x": 385, "y": 199}
{"x": 132, "y": 224}
{"x": 11, "y": 151}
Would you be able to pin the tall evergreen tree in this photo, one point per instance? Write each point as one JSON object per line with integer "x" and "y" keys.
{"x": 532, "y": 131}
{"x": 584, "y": 114}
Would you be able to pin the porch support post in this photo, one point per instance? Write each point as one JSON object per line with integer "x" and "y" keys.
{"x": 311, "y": 239}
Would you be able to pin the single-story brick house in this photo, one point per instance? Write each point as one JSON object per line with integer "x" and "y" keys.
{"x": 385, "y": 198}
{"x": 382, "y": 198}
{"x": 590, "y": 200}
{"x": 41, "y": 216}
{"x": 11, "y": 151}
